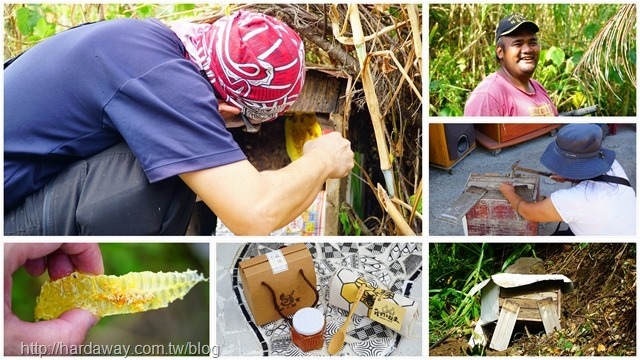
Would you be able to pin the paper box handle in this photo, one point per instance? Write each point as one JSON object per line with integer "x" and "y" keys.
{"x": 275, "y": 301}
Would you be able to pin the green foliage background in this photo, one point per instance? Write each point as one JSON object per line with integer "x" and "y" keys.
{"x": 462, "y": 53}
{"x": 27, "y": 24}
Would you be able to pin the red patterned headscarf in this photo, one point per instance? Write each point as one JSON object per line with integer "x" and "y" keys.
{"x": 254, "y": 62}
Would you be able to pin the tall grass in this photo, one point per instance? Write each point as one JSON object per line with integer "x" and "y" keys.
{"x": 462, "y": 52}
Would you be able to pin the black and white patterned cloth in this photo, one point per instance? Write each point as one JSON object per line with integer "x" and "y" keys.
{"x": 392, "y": 266}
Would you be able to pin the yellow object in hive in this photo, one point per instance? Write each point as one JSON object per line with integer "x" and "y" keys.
{"x": 299, "y": 128}
{"x": 105, "y": 295}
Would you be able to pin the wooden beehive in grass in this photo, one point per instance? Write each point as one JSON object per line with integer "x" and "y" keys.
{"x": 529, "y": 298}
{"x": 508, "y": 298}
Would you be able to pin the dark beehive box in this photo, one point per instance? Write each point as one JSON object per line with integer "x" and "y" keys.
{"x": 323, "y": 95}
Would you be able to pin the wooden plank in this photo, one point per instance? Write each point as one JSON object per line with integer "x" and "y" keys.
{"x": 336, "y": 188}
{"x": 559, "y": 304}
{"x": 530, "y": 301}
{"x": 537, "y": 287}
{"x": 543, "y": 288}
{"x": 529, "y": 308}
{"x": 550, "y": 318}
{"x": 504, "y": 328}
{"x": 322, "y": 93}
{"x": 463, "y": 204}
{"x": 332, "y": 207}
{"x": 529, "y": 315}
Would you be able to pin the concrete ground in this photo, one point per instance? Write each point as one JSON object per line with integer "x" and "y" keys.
{"x": 445, "y": 188}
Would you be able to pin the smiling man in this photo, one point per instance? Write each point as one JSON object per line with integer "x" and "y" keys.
{"x": 511, "y": 91}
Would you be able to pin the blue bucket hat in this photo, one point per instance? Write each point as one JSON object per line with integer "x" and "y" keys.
{"x": 577, "y": 153}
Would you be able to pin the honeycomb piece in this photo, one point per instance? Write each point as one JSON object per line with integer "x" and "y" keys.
{"x": 105, "y": 295}
{"x": 298, "y": 129}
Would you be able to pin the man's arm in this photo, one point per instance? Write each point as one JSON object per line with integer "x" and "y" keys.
{"x": 541, "y": 211}
{"x": 250, "y": 202}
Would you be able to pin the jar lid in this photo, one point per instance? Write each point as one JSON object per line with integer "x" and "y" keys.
{"x": 308, "y": 321}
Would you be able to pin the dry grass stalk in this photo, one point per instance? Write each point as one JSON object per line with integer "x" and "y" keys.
{"x": 372, "y": 98}
{"x": 609, "y": 50}
{"x": 401, "y": 224}
{"x": 382, "y": 54}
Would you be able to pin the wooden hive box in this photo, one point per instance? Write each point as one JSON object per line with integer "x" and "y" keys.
{"x": 507, "y": 298}
{"x": 322, "y": 96}
{"x": 492, "y": 214}
{"x": 323, "y": 92}
{"x": 528, "y": 298}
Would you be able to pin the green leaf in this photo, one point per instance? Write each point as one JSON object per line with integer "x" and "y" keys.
{"x": 591, "y": 30}
{"x": 356, "y": 229}
{"x": 395, "y": 11}
{"x": 556, "y": 55}
{"x": 578, "y": 99}
{"x": 26, "y": 20}
{"x": 146, "y": 11}
{"x": 412, "y": 198}
{"x": 575, "y": 58}
{"x": 432, "y": 32}
{"x": 568, "y": 70}
{"x": 346, "y": 224}
{"x": 451, "y": 110}
{"x": 43, "y": 30}
{"x": 632, "y": 55}
{"x": 183, "y": 7}
{"x": 434, "y": 85}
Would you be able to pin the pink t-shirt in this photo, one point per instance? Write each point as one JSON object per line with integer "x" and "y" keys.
{"x": 496, "y": 96}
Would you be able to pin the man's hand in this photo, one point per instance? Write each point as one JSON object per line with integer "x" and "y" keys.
{"x": 60, "y": 260}
{"x": 250, "y": 202}
{"x": 507, "y": 188}
{"x": 332, "y": 150}
{"x": 540, "y": 211}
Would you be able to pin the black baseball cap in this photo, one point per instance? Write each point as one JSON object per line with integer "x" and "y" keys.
{"x": 512, "y": 22}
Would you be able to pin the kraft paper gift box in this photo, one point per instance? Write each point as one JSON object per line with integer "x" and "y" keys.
{"x": 395, "y": 311}
{"x": 281, "y": 271}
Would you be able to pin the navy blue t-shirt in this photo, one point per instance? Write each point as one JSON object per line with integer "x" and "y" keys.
{"x": 86, "y": 89}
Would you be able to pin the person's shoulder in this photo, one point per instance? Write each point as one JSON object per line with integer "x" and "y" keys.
{"x": 486, "y": 98}
{"x": 137, "y": 36}
{"x": 617, "y": 170}
{"x": 492, "y": 83}
{"x": 537, "y": 84}
{"x": 129, "y": 26}
{"x": 488, "y": 80}
{"x": 128, "y": 23}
